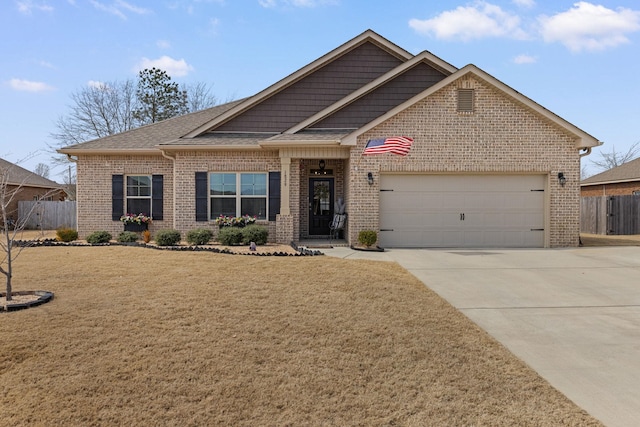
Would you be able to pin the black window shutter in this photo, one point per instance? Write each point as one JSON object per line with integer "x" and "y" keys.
{"x": 274, "y": 195}
{"x": 201, "y": 196}
{"x": 157, "y": 204}
{"x": 117, "y": 197}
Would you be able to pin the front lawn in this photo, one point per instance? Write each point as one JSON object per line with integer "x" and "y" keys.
{"x": 143, "y": 337}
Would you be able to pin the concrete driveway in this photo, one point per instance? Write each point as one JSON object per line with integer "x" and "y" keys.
{"x": 573, "y": 315}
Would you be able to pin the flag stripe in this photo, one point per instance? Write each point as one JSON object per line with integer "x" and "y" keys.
{"x": 399, "y": 145}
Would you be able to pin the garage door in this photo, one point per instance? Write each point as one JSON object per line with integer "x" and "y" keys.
{"x": 472, "y": 211}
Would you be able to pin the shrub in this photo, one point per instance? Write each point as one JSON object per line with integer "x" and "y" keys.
{"x": 367, "y": 237}
{"x": 66, "y": 234}
{"x": 128, "y": 237}
{"x": 231, "y": 236}
{"x": 98, "y": 237}
{"x": 199, "y": 236}
{"x": 255, "y": 233}
{"x": 168, "y": 237}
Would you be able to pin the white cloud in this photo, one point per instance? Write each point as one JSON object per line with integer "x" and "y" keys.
{"x": 525, "y": 3}
{"x": 480, "y": 20}
{"x": 119, "y": 7}
{"x": 47, "y": 64}
{"x": 295, "y": 3}
{"x": 163, "y": 44}
{"x": 590, "y": 27}
{"x": 28, "y": 6}
{"x": 97, "y": 84}
{"x": 29, "y": 86}
{"x": 173, "y": 67}
{"x": 525, "y": 59}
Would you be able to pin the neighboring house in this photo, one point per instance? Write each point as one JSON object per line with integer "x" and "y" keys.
{"x": 623, "y": 180}
{"x": 483, "y": 169}
{"x": 30, "y": 187}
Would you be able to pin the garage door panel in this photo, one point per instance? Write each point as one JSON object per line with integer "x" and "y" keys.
{"x": 462, "y": 211}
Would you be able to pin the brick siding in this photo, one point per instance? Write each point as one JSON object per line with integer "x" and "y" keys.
{"x": 617, "y": 189}
{"x": 500, "y": 137}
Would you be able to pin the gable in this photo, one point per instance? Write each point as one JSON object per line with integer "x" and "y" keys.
{"x": 582, "y": 140}
{"x": 315, "y": 91}
{"x": 374, "y": 104}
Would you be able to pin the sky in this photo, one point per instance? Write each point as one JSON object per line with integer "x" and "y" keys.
{"x": 579, "y": 59}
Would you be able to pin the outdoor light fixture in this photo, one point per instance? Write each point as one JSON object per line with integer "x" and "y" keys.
{"x": 321, "y": 164}
{"x": 370, "y": 178}
{"x": 561, "y": 178}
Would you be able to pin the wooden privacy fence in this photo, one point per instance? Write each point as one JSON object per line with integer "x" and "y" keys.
{"x": 47, "y": 215}
{"x": 613, "y": 215}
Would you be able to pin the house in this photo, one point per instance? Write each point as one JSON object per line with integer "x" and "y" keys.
{"x": 455, "y": 158}
{"x": 27, "y": 186}
{"x": 622, "y": 180}
{"x": 610, "y": 201}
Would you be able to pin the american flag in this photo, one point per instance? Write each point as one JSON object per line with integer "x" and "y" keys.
{"x": 396, "y": 145}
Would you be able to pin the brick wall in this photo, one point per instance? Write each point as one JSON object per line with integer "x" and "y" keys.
{"x": 94, "y": 190}
{"x": 618, "y": 189}
{"x": 500, "y": 137}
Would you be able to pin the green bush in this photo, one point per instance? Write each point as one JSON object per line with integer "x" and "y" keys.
{"x": 98, "y": 237}
{"x": 367, "y": 237}
{"x": 199, "y": 236}
{"x": 231, "y": 236}
{"x": 66, "y": 234}
{"x": 168, "y": 237}
{"x": 255, "y": 233}
{"x": 128, "y": 237}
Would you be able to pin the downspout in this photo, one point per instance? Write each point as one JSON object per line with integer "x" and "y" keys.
{"x": 173, "y": 190}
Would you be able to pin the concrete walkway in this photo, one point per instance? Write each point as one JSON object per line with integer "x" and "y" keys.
{"x": 573, "y": 315}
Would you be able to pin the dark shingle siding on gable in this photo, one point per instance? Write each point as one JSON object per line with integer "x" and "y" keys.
{"x": 317, "y": 91}
{"x": 383, "y": 99}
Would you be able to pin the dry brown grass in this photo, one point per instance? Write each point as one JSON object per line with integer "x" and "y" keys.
{"x": 143, "y": 337}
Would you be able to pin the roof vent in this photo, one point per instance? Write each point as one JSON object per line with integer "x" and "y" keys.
{"x": 465, "y": 100}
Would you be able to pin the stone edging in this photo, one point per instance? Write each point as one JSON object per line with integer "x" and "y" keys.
{"x": 43, "y": 297}
{"x": 194, "y": 248}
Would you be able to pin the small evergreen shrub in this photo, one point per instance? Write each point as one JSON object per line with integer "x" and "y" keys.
{"x": 128, "y": 237}
{"x": 66, "y": 234}
{"x": 199, "y": 236}
{"x": 367, "y": 237}
{"x": 168, "y": 237}
{"x": 255, "y": 233}
{"x": 98, "y": 237}
{"x": 231, "y": 236}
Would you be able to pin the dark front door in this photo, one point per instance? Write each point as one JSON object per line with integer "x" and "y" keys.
{"x": 320, "y": 205}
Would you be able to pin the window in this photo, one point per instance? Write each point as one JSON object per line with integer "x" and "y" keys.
{"x": 237, "y": 194}
{"x": 138, "y": 194}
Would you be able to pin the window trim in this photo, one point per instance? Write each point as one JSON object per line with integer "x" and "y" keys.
{"x": 127, "y": 197}
{"x": 238, "y": 196}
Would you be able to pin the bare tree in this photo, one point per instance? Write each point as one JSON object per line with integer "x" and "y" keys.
{"x": 10, "y": 188}
{"x": 97, "y": 111}
{"x": 199, "y": 97}
{"x": 614, "y": 158}
{"x": 42, "y": 169}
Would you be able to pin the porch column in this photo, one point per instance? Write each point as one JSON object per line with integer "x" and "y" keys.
{"x": 285, "y": 167}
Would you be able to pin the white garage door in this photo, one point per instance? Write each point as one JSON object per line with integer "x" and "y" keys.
{"x": 472, "y": 211}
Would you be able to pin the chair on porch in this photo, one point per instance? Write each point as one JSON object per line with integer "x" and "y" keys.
{"x": 337, "y": 225}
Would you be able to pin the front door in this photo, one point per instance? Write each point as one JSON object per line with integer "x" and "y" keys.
{"x": 320, "y": 205}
